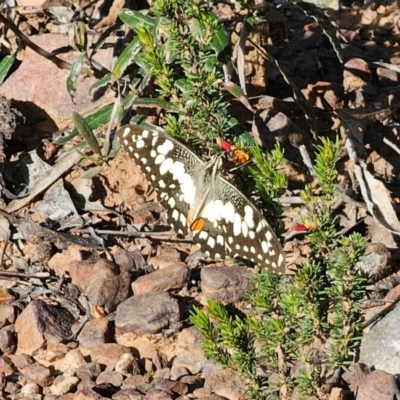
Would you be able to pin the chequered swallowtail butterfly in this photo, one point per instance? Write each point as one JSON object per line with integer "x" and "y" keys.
{"x": 197, "y": 198}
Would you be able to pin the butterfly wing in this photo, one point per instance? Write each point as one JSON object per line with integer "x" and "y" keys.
{"x": 236, "y": 228}
{"x": 168, "y": 166}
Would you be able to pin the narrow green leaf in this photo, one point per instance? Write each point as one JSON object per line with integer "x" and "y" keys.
{"x": 126, "y": 58}
{"x": 105, "y": 80}
{"x": 5, "y": 65}
{"x": 238, "y": 93}
{"x": 73, "y": 75}
{"x": 86, "y": 132}
{"x": 116, "y": 145}
{"x": 135, "y": 19}
{"x": 92, "y": 172}
{"x": 153, "y": 103}
{"x": 312, "y": 9}
{"x": 103, "y": 37}
{"x": 100, "y": 117}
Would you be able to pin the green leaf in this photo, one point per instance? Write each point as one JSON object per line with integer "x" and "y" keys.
{"x": 153, "y": 103}
{"x": 220, "y": 41}
{"x": 116, "y": 145}
{"x": 126, "y": 58}
{"x": 238, "y": 93}
{"x": 100, "y": 117}
{"x": 103, "y": 37}
{"x": 86, "y": 132}
{"x": 135, "y": 19}
{"x": 105, "y": 80}
{"x": 92, "y": 172}
{"x": 5, "y": 65}
{"x": 183, "y": 85}
{"x": 74, "y": 73}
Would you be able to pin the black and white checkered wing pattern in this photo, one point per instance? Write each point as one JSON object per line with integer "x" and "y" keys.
{"x": 236, "y": 228}
{"x": 224, "y": 222}
{"x": 168, "y": 166}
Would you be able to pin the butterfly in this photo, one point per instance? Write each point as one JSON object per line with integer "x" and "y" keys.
{"x": 197, "y": 199}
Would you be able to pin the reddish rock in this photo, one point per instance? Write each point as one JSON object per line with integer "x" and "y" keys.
{"x": 127, "y": 394}
{"x": 171, "y": 277}
{"x": 166, "y": 256}
{"x": 38, "y": 374}
{"x": 225, "y": 284}
{"x": 128, "y": 365}
{"x": 105, "y": 283}
{"x": 94, "y": 333}
{"x": 155, "y": 394}
{"x": 146, "y": 313}
{"x": 108, "y": 354}
{"x": 377, "y": 385}
{"x": 6, "y": 297}
{"x": 37, "y": 319}
{"x": 386, "y": 77}
{"x": 7, "y": 315}
{"x": 46, "y": 93}
{"x": 357, "y": 67}
{"x": 110, "y": 377}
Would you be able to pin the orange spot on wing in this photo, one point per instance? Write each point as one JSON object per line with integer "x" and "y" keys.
{"x": 197, "y": 225}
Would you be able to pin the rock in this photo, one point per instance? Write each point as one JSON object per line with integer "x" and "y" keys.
{"x": 386, "y": 77}
{"x": 376, "y": 263}
{"x": 225, "y": 284}
{"x": 137, "y": 382}
{"x": 377, "y": 385}
{"x": 193, "y": 382}
{"x": 224, "y": 381}
{"x": 71, "y": 362}
{"x": 7, "y": 315}
{"x": 63, "y": 384}
{"x": 191, "y": 356}
{"x": 155, "y": 394}
{"x": 127, "y": 394}
{"x": 356, "y": 74}
{"x": 110, "y": 377}
{"x": 87, "y": 394}
{"x": 177, "y": 372}
{"x": 46, "y": 93}
{"x": 38, "y": 374}
{"x": 108, "y": 354}
{"x": 383, "y": 335}
{"x": 166, "y": 257}
{"x": 337, "y": 394}
{"x": 176, "y": 387}
{"x": 30, "y": 389}
{"x": 6, "y": 297}
{"x": 354, "y": 374}
{"x": 105, "y": 283}
{"x": 146, "y": 313}
{"x": 89, "y": 371}
{"x": 171, "y": 277}
{"x": 40, "y": 318}
{"x": 127, "y": 365}
{"x": 8, "y": 340}
{"x": 160, "y": 360}
{"x": 94, "y": 333}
